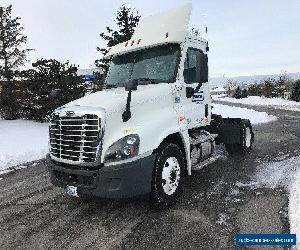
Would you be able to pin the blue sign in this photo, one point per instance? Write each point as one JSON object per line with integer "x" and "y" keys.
{"x": 198, "y": 97}
{"x": 265, "y": 239}
{"x": 88, "y": 78}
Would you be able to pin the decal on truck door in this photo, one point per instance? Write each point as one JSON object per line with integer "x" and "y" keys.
{"x": 177, "y": 99}
{"x": 198, "y": 97}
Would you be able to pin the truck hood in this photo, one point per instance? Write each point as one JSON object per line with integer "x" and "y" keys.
{"x": 109, "y": 99}
{"x": 114, "y": 100}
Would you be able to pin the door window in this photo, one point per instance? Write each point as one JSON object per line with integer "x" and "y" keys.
{"x": 195, "y": 67}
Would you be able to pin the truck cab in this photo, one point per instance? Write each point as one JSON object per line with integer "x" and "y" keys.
{"x": 151, "y": 125}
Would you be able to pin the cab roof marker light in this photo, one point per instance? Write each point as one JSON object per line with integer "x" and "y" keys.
{"x": 207, "y": 47}
{"x": 126, "y": 44}
{"x": 138, "y": 42}
{"x": 132, "y": 42}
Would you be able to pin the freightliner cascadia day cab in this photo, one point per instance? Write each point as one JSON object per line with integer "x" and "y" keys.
{"x": 151, "y": 125}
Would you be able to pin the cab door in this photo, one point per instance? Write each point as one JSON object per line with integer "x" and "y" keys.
{"x": 197, "y": 98}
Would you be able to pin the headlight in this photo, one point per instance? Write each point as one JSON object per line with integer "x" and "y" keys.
{"x": 124, "y": 148}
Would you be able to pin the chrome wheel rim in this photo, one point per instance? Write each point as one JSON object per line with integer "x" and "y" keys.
{"x": 170, "y": 175}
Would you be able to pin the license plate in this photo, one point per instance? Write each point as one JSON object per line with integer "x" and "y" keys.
{"x": 72, "y": 191}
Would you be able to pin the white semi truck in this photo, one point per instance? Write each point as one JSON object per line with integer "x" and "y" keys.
{"x": 151, "y": 125}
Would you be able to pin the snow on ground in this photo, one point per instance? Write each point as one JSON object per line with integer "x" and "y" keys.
{"x": 278, "y": 103}
{"x": 277, "y": 173}
{"x": 21, "y": 141}
{"x": 254, "y": 116}
{"x": 294, "y": 206}
{"x": 216, "y": 96}
{"x": 284, "y": 173}
{"x": 218, "y": 89}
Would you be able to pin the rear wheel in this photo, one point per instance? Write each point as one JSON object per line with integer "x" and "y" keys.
{"x": 246, "y": 139}
{"x": 168, "y": 175}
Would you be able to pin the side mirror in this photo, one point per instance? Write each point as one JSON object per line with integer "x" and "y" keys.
{"x": 189, "y": 92}
{"x": 55, "y": 94}
{"x": 131, "y": 85}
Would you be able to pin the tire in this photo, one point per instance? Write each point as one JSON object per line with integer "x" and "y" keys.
{"x": 246, "y": 140}
{"x": 168, "y": 174}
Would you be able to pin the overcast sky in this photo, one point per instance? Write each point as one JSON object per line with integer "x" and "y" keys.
{"x": 246, "y": 37}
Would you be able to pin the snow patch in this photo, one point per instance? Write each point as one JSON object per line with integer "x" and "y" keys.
{"x": 254, "y": 116}
{"x": 21, "y": 141}
{"x": 216, "y": 96}
{"x": 294, "y": 207}
{"x": 218, "y": 89}
{"x": 5, "y": 171}
{"x": 234, "y": 192}
{"x": 276, "y": 174}
{"x": 286, "y": 174}
{"x": 278, "y": 103}
{"x": 223, "y": 219}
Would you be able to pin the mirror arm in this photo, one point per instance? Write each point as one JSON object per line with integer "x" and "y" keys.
{"x": 191, "y": 91}
{"x": 129, "y": 86}
{"x": 127, "y": 114}
{"x": 198, "y": 87}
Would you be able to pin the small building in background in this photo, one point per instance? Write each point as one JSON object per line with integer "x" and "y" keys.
{"x": 92, "y": 77}
{"x": 92, "y": 71}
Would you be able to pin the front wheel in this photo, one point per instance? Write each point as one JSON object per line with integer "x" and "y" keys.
{"x": 168, "y": 175}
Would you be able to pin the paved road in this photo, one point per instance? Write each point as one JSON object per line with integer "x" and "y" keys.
{"x": 213, "y": 208}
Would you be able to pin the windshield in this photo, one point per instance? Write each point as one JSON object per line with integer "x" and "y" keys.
{"x": 157, "y": 64}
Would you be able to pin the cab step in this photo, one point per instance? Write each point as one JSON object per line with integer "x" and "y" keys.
{"x": 200, "y": 137}
{"x": 206, "y": 162}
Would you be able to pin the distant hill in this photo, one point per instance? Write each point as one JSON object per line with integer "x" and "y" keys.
{"x": 245, "y": 80}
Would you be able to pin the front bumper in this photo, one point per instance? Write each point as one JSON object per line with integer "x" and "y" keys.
{"x": 118, "y": 181}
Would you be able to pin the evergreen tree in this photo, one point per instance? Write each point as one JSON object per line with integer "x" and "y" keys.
{"x": 11, "y": 40}
{"x": 12, "y": 56}
{"x": 269, "y": 88}
{"x": 244, "y": 93}
{"x": 48, "y": 75}
{"x": 295, "y": 96}
{"x": 238, "y": 93}
{"x": 126, "y": 21}
{"x": 254, "y": 89}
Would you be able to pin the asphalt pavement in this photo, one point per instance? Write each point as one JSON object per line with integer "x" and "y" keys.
{"x": 213, "y": 208}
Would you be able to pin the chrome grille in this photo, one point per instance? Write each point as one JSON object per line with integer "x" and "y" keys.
{"x": 75, "y": 138}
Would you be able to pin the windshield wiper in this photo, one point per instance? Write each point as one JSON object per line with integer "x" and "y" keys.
{"x": 109, "y": 86}
{"x": 145, "y": 81}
